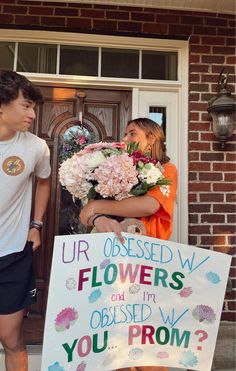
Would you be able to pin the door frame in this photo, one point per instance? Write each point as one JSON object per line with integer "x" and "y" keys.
{"x": 180, "y": 86}
{"x": 177, "y": 139}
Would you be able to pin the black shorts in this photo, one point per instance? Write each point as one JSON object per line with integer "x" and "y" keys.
{"x": 17, "y": 283}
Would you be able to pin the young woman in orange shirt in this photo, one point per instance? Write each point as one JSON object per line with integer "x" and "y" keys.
{"x": 154, "y": 209}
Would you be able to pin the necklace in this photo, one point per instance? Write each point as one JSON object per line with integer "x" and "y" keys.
{"x": 5, "y": 146}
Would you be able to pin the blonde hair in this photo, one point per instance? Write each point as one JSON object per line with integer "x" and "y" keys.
{"x": 158, "y": 148}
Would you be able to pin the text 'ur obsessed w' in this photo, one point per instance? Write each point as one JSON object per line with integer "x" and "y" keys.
{"x": 157, "y": 254}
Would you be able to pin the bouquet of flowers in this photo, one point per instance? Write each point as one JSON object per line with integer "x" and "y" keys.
{"x": 111, "y": 170}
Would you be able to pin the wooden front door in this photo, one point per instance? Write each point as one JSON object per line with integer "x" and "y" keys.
{"x": 104, "y": 113}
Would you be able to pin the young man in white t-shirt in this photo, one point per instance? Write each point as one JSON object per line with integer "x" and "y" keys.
{"x": 22, "y": 155}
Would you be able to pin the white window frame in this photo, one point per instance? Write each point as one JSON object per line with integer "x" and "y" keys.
{"x": 180, "y": 85}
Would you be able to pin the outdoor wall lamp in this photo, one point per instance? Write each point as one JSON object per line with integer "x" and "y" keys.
{"x": 222, "y": 109}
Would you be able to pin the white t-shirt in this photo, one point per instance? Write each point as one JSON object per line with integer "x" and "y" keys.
{"x": 20, "y": 158}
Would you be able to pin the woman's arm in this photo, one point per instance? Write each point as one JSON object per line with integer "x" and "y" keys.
{"x": 130, "y": 207}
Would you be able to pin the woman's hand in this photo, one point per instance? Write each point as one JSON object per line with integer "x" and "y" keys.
{"x": 105, "y": 224}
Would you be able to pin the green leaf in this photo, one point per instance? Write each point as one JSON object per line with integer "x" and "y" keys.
{"x": 141, "y": 164}
{"x": 138, "y": 192}
{"x": 110, "y": 151}
{"x": 131, "y": 147}
{"x": 92, "y": 193}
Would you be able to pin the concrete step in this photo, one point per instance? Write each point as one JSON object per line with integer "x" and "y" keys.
{"x": 224, "y": 357}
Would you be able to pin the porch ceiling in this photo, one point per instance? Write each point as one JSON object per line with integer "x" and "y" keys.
{"x": 215, "y": 6}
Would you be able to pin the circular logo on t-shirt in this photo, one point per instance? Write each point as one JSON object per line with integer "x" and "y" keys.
{"x": 13, "y": 165}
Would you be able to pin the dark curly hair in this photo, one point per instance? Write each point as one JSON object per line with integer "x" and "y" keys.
{"x": 11, "y": 83}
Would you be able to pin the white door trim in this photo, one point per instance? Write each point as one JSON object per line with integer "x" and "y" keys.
{"x": 176, "y": 146}
{"x": 182, "y": 90}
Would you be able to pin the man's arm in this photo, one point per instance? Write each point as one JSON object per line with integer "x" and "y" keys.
{"x": 40, "y": 204}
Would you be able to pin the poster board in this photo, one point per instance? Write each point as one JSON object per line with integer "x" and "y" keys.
{"x": 144, "y": 302}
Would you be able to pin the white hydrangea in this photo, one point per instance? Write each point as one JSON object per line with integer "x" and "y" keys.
{"x": 74, "y": 174}
{"x": 95, "y": 159}
{"x": 150, "y": 173}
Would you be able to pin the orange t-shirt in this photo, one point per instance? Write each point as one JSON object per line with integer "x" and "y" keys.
{"x": 159, "y": 225}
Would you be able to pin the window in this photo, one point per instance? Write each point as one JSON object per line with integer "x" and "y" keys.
{"x": 116, "y": 62}
{"x": 78, "y": 61}
{"x": 36, "y": 58}
{"x": 159, "y": 65}
{"x": 120, "y": 63}
{"x": 158, "y": 114}
{"x": 7, "y": 51}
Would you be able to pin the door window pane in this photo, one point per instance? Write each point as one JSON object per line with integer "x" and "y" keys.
{"x": 159, "y": 65}
{"x": 7, "y": 50}
{"x": 39, "y": 58}
{"x": 158, "y": 114}
{"x": 120, "y": 63}
{"x": 79, "y": 61}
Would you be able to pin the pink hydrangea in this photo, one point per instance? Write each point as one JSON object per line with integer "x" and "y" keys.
{"x": 116, "y": 176}
{"x": 101, "y": 145}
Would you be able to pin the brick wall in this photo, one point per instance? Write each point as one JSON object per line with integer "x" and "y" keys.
{"x": 211, "y": 46}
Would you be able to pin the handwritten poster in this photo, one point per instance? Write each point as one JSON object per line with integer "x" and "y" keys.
{"x": 144, "y": 302}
